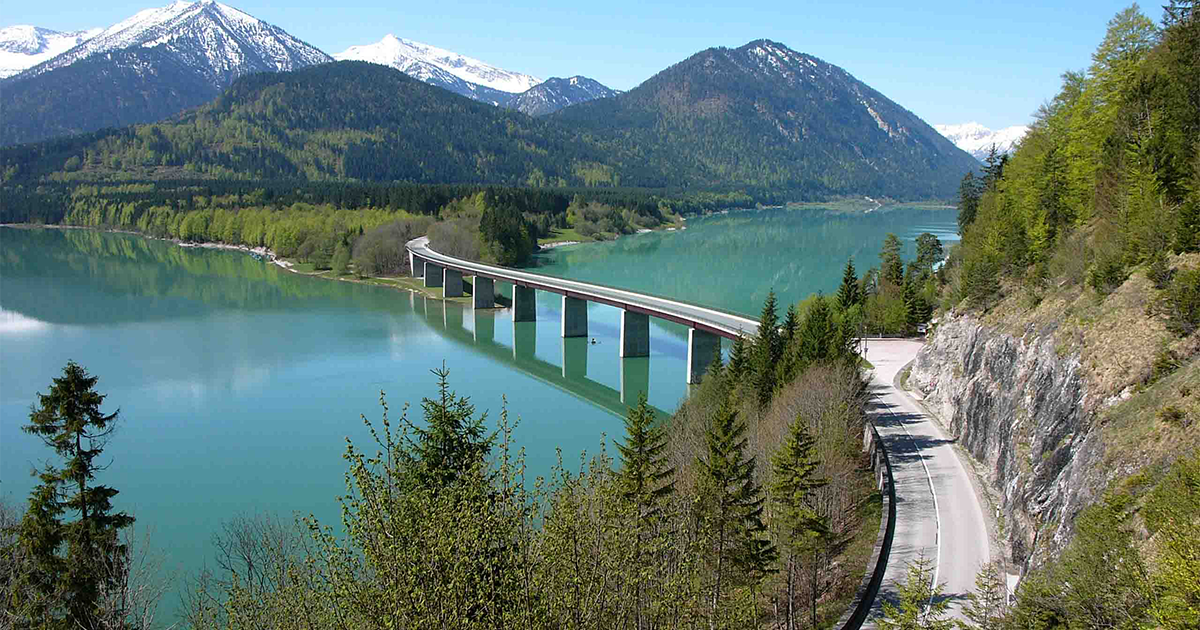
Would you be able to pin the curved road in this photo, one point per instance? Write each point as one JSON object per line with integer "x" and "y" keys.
{"x": 701, "y": 317}
{"x": 938, "y": 514}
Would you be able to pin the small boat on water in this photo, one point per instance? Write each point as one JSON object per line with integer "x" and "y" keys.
{"x": 256, "y": 256}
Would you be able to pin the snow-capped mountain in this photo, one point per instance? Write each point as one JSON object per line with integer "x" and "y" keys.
{"x": 436, "y": 66}
{"x": 25, "y": 46}
{"x": 555, "y": 94}
{"x": 977, "y": 140}
{"x": 217, "y": 40}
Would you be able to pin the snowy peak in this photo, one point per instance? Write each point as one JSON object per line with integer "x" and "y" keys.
{"x": 977, "y": 140}
{"x": 217, "y": 40}
{"x": 555, "y": 94}
{"x": 424, "y": 62}
{"x": 25, "y": 46}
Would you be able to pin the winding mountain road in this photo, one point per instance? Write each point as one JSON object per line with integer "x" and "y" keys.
{"x": 938, "y": 513}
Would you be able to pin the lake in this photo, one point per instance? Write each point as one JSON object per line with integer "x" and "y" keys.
{"x": 239, "y": 382}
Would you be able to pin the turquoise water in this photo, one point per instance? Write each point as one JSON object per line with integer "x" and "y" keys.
{"x": 239, "y": 382}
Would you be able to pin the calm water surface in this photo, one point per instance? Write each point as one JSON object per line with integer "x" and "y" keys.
{"x": 238, "y": 382}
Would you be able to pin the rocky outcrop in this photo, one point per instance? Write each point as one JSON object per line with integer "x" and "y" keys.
{"x": 1019, "y": 408}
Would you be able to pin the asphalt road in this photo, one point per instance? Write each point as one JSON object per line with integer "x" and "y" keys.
{"x": 938, "y": 513}
{"x": 727, "y": 324}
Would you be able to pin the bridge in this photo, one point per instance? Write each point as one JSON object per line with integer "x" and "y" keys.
{"x": 706, "y": 326}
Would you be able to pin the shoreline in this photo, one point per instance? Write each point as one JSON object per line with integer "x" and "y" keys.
{"x": 266, "y": 254}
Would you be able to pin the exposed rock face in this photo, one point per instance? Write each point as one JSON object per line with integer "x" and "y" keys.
{"x": 1020, "y": 408}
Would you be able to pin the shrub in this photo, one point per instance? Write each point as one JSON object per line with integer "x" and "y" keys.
{"x": 1107, "y": 273}
{"x": 1182, "y": 302}
{"x": 1159, "y": 272}
{"x": 1173, "y": 416}
{"x": 381, "y": 251}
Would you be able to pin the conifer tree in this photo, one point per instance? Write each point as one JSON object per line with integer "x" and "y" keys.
{"x": 767, "y": 351}
{"x": 67, "y": 590}
{"x": 891, "y": 266}
{"x": 793, "y": 479}
{"x": 451, "y": 442}
{"x": 920, "y": 605}
{"x": 739, "y": 357}
{"x": 733, "y": 507}
{"x": 848, "y": 294}
{"x": 645, "y": 476}
{"x": 787, "y": 331}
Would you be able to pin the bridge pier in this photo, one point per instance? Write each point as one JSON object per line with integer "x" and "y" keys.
{"x": 574, "y": 358}
{"x": 574, "y": 317}
{"x": 524, "y": 304}
{"x": 413, "y": 261}
{"x": 483, "y": 293}
{"x": 433, "y": 275}
{"x": 635, "y": 334}
{"x": 702, "y": 347}
{"x": 635, "y": 379}
{"x": 452, "y": 283}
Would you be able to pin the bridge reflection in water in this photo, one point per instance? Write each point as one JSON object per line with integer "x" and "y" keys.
{"x": 477, "y": 328}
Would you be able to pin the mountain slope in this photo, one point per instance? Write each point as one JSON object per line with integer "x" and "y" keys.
{"x": 555, "y": 94}
{"x": 150, "y": 66}
{"x": 112, "y": 89}
{"x": 771, "y": 117}
{"x": 219, "y": 41}
{"x": 977, "y": 140}
{"x": 459, "y": 74}
{"x": 346, "y": 120}
{"x": 25, "y": 46}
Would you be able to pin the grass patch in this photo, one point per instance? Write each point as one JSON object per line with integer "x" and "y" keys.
{"x": 563, "y": 236}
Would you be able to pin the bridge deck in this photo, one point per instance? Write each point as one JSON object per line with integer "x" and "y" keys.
{"x": 695, "y": 316}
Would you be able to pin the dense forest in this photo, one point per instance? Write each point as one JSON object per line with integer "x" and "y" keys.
{"x": 1095, "y": 219}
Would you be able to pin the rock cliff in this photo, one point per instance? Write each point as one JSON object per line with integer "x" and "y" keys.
{"x": 1021, "y": 409}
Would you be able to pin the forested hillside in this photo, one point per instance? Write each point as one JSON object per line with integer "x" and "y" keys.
{"x": 767, "y": 116}
{"x": 739, "y": 129}
{"x": 1075, "y": 295}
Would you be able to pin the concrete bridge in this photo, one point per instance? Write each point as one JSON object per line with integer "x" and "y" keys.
{"x": 705, "y": 325}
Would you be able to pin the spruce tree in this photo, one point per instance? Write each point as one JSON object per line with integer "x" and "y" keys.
{"x": 739, "y": 357}
{"x": 794, "y": 478}
{"x": 733, "y": 506}
{"x": 645, "y": 476}
{"x": 848, "y": 294}
{"x": 787, "y": 331}
{"x": 67, "y": 590}
{"x": 768, "y": 351}
{"x": 451, "y": 442}
{"x": 891, "y": 266}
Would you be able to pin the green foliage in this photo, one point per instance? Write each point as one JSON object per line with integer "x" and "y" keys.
{"x": 645, "y": 475}
{"x": 802, "y": 530}
{"x": 506, "y": 236}
{"x": 987, "y": 604}
{"x": 891, "y": 266}
{"x": 1181, "y": 302}
{"x": 71, "y": 568}
{"x": 768, "y": 350}
{"x": 920, "y": 604}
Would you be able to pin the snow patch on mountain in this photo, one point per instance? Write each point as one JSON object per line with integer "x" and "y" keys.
{"x": 219, "y": 41}
{"x": 977, "y": 140}
{"x": 24, "y": 46}
{"x": 424, "y": 62}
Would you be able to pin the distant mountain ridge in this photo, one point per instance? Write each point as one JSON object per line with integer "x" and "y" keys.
{"x": 761, "y": 119}
{"x": 977, "y": 140}
{"x": 774, "y": 118}
{"x": 427, "y": 62}
{"x": 555, "y": 94}
{"x": 24, "y": 46}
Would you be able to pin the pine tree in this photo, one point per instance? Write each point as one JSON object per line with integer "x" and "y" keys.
{"x": 920, "y": 605}
{"x": 986, "y": 604}
{"x": 793, "y": 479}
{"x": 768, "y": 351}
{"x": 739, "y": 357}
{"x": 848, "y": 294}
{"x": 787, "y": 331}
{"x": 969, "y": 194}
{"x": 733, "y": 507}
{"x": 451, "y": 442}
{"x": 67, "y": 590}
{"x": 891, "y": 266}
{"x": 645, "y": 476}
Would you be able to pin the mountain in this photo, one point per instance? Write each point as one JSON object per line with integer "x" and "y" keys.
{"x": 345, "y": 120}
{"x": 217, "y": 40}
{"x": 977, "y": 140}
{"x": 459, "y": 74}
{"x": 555, "y": 94}
{"x": 26, "y": 46}
{"x": 764, "y": 115}
{"x": 761, "y": 119}
{"x": 145, "y": 68}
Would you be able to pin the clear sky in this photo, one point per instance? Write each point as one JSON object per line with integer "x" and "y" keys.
{"x": 948, "y": 61}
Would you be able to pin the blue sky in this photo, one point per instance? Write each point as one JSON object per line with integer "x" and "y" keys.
{"x": 947, "y": 61}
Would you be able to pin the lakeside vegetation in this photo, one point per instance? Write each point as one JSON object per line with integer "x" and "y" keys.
{"x": 751, "y": 504}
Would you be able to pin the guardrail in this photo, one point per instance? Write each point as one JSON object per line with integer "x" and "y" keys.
{"x": 868, "y": 590}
